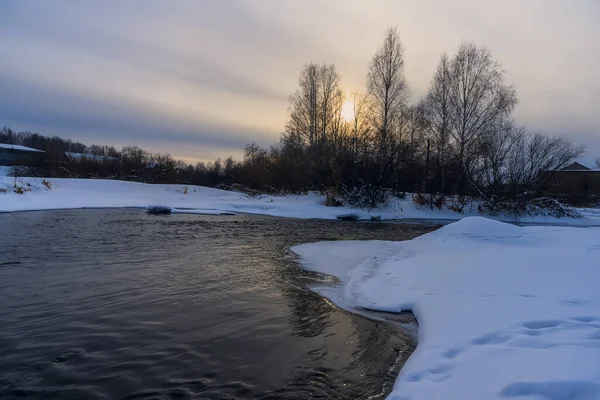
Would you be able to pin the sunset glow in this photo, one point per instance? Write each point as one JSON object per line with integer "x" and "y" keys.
{"x": 348, "y": 110}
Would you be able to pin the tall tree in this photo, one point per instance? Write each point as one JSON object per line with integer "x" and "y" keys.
{"x": 330, "y": 101}
{"x": 386, "y": 87}
{"x": 479, "y": 99}
{"x": 437, "y": 111}
{"x": 315, "y": 107}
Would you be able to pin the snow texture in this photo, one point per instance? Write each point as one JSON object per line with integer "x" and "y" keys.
{"x": 98, "y": 193}
{"x": 504, "y": 312}
{"x": 17, "y": 147}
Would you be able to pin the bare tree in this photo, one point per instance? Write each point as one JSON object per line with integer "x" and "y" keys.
{"x": 359, "y": 129}
{"x": 330, "y": 101}
{"x": 497, "y": 148}
{"x": 315, "y": 107}
{"x": 438, "y": 111}
{"x": 386, "y": 87}
{"x": 315, "y": 119}
{"x": 303, "y": 119}
{"x": 535, "y": 154}
{"x": 412, "y": 141}
{"x": 479, "y": 99}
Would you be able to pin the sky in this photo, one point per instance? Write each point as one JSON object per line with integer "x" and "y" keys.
{"x": 200, "y": 79}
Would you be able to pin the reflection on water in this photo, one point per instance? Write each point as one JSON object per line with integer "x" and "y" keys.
{"x": 108, "y": 304}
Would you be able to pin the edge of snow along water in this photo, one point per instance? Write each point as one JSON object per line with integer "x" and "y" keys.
{"x": 41, "y": 194}
{"x": 504, "y": 311}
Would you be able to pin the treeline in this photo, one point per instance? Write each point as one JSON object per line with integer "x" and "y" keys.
{"x": 460, "y": 141}
{"x": 65, "y": 159}
{"x": 55, "y": 147}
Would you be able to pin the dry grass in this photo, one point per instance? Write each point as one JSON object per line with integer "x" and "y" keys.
{"x": 21, "y": 189}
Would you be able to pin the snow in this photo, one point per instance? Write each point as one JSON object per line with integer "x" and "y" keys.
{"x": 504, "y": 311}
{"x": 17, "y": 147}
{"x": 5, "y": 170}
{"x": 98, "y": 193}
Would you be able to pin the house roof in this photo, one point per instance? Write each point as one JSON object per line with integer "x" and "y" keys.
{"x": 16, "y": 147}
{"x": 575, "y": 167}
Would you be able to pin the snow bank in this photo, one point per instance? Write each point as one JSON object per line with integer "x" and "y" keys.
{"x": 88, "y": 193}
{"x": 503, "y": 311}
{"x": 5, "y": 171}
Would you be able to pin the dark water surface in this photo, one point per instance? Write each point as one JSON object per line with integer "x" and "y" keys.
{"x": 116, "y": 304}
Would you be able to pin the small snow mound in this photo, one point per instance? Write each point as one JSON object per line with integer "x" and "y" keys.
{"x": 479, "y": 227}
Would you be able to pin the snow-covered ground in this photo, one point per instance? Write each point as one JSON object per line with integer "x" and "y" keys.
{"x": 504, "y": 312}
{"x": 89, "y": 193}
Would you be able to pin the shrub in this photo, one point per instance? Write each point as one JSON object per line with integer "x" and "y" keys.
{"x": 21, "y": 189}
{"x": 455, "y": 208}
{"x": 517, "y": 209}
{"x": 458, "y": 203}
{"x": 432, "y": 200}
{"x": 367, "y": 196}
{"x": 182, "y": 189}
{"x": 331, "y": 200}
{"x": 419, "y": 199}
{"x": 47, "y": 184}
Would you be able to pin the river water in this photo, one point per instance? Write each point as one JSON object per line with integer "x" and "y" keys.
{"x": 117, "y": 304}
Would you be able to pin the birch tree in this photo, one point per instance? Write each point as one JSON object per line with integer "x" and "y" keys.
{"x": 387, "y": 88}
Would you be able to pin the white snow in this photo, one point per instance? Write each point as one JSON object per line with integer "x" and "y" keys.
{"x": 5, "y": 170}
{"x": 504, "y": 312}
{"x": 87, "y": 193}
{"x": 17, "y": 147}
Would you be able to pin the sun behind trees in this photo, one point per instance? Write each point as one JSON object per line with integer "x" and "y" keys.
{"x": 459, "y": 140}
{"x": 458, "y": 143}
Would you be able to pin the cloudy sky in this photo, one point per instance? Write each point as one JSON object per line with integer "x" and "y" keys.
{"x": 200, "y": 79}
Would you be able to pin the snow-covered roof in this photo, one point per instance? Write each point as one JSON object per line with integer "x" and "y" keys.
{"x": 575, "y": 167}
{"x": 18, "y": 148}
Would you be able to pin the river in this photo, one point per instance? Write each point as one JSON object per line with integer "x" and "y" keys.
{"x": 118, "y": 304}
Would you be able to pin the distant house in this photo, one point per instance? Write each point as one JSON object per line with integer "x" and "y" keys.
{"x": 575, "y": 167}
{"x": 574, "y": 182}
{"x": 12, "y": 154}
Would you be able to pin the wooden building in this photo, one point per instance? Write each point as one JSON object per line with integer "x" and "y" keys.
{"x": 575, "y": 182}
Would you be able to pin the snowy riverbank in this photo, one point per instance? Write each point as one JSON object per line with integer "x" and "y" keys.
{"x": 503, "y": 311}
{"x": 97, "y": 193}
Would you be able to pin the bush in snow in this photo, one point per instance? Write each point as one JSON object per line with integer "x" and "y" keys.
{"x": 518, "y": 209}
{"x": 21, "y": 189}
{"x": 368, "y": 196}
{"x": 431, "y": 200}
{"x": 332, "y": 200}
{"x": 183, "y": 189}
